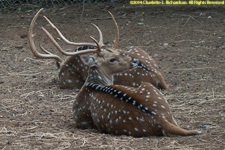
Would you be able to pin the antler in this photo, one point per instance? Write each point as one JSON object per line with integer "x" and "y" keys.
{"x": 116, "y": 42}
{"x": 98, "y": 50}
{"x": 47, "y": 54}
{"x": 74, "y": 43}
{"x": 98, "y": 45}
{"x": 50, "y": 55}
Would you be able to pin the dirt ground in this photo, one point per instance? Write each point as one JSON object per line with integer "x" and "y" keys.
{"x": 188, "y": 43}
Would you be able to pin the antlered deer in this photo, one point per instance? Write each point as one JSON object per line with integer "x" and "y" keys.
{"x": 73, "y": 72}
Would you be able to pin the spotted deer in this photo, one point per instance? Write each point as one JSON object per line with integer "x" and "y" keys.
{"x": 73, "y": 72}
{"x": 119, "y": 109}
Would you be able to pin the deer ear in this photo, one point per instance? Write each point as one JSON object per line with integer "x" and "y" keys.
{"x": 88, "y": 60}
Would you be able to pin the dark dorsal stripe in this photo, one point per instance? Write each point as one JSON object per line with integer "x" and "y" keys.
{"x": 143, "y": 66}
{"x": 84, "y": 48}
{"x": 119, "y": 94}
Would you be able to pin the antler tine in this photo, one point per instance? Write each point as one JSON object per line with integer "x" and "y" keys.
{"x": 48, "y": 55}
{"x": 43, "y": 49}
{"x": 96, "y": 42}
{"x": 100, "y": 43}
{"x": 58, "y": 63}
{"x": 64, "y": 52}
{"x": 116, "y": 42}
{"x": 63, "y": 37}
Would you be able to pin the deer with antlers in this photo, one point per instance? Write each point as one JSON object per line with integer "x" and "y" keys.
{"x": 117, "y": 109}
{"x": 73, "y": 72}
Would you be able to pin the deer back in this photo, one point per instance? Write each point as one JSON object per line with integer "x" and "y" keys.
{"x": 147, "y": 72}
{"x": 124, "y": 110}
{"x": 73, "y": 72}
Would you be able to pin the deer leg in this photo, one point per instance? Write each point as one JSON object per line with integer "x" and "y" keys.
{"x": 81, "y": 112}
{"x": 82, "y": 118}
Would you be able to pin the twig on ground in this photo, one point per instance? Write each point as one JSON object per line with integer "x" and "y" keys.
{"x": 81, "y": 16}
{"x": 193, "y": 19}
{"x": 21, "y": 74}
{"x": 212, "y": 92}
{"x": 187, "y": 69}
{"x": 35, "y": 60}
{"x": 107, "y": 18}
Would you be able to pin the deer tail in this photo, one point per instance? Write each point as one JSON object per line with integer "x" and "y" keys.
{"x": 171, "y": 129}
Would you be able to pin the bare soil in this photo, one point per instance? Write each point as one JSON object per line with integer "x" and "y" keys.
{"x": 188, "y": 43}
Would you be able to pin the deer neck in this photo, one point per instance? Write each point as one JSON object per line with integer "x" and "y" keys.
{"x": 99, "y": 76}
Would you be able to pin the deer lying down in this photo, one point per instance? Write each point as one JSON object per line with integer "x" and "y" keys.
{"x": 73, "y": 72}
{"x": 118, "y": 109}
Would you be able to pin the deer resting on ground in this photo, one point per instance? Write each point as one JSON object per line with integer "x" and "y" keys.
{"x": 118, "y": 109}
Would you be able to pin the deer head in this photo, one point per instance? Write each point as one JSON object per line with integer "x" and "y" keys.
{"x": 105, "y": 64}
{"x": 73, "y": 72}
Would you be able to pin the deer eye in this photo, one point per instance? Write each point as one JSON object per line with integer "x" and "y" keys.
{"x": 112, "y": 59}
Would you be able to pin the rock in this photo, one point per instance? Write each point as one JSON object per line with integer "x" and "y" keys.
{"x": 19, "y": 46}
{"x": 165, "y": 45}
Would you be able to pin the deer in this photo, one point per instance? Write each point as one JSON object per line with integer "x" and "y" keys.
{"x": 119, "y": 109}
{"x": 73, "y": 72}
{"x": 113, "y": 108}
